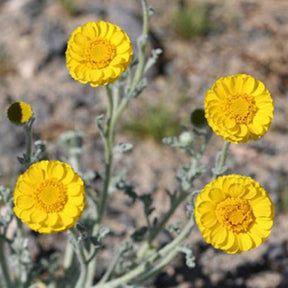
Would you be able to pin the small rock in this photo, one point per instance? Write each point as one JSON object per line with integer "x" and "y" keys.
{"x": 27, "y": 68}
{"x": 33, "y": 8}
{"x": 265, "y": 279}
{"x": 52, "y": 39}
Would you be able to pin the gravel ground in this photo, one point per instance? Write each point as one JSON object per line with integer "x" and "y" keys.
{"x": 245, "y": 37}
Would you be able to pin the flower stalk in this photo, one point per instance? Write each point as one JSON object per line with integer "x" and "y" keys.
{"x": 220, "y": 166}
{"x": 166, "y": 254}
{"x": 50, "y": 197}
{"x": 28, "y": 141}
{"x": 4, "y": 267}
{"x": 81, "y": 283}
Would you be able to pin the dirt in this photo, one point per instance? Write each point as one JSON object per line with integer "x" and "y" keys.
{"x": 247, "y": 37}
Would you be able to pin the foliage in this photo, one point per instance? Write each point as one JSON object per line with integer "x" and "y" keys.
{"x": 136, "y": 257}
{"x": 146, "y": 125}
{"x": 6, "y": 67}
{"x": 192, "y": 22}
{"x": 70, "y": 7}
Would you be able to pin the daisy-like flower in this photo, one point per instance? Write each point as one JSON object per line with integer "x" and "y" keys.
{"x": 49, "y": 197}
{"x": 239, "y": 108}
{"x": 234, "y": 213}
{"x": 19, "y": 112}
{"x": 98, "y": 53}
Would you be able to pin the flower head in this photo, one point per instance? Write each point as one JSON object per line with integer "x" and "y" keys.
{"x": 49, "y": 197}
{"x": 98, "y": 53}
{"x": 234, "y": 213}
{"x": 19, "y": 112}
{"x": 239, "y": 108}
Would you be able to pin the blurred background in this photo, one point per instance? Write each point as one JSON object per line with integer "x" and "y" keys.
{"x": 201, "y": 41}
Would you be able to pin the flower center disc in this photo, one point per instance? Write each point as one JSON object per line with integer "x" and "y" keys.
{"x": 100, "y": 53}
{"x": 235, "y": 214}
{"x": 241, "y": 108}
{"x": 50, "y": 196}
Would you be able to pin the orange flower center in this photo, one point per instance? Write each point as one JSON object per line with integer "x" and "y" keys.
{"x": 100, "y": 53}
{"x": 235, "y": 214}
{"x": 241, "y": 108}
{"x": 50, "y": 196}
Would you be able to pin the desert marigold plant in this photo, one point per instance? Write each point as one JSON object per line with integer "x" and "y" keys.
{"x": 234, "y": 213}
{"x": 98, "y": 52}
{"x": 49, "y": 197}
{"x": 19, "y": 112}
{"x": 239, "y": 108}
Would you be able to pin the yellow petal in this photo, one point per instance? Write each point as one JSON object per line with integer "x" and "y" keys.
{"x": 67, "y": 221}
{"x": 80, "y": 39}
{"x": 238, "y": 84}
{"x": 53, "y": 220}
{"x": 111, "y": 31}
{"x": 24, "y": 202}
{"x": 45, "y": 230}
{"x": 251, "y": 192}
{"x": 249, "y": 85}
{"x": 78, "y": 200}
{"x": 236, "y": 190}
{"x": 117, "y": 38}
{"x": 58, "y": 171}
{"x": 124, "y": 47}
{"x": 103, "y": 28}
{"x": 208, "y": 219}
{"x": 206, "y": 206}
{"x": 219, "y": 235}
{"x": 229, "y": 123}
{"x": 259, "y": 89}
{"x": 245, "y": 241}
{"x": 35, "y": 174}
{"x": 71, "y": 210}
{"x": 264, "y": 225}
{"x": 74, "y": 189}
{"x": 216, "y": 194}
{"x": 89, "y": 30}
{"x": 38, "y": 216}
{"x": 25, "y": 188}
{"x": 96, "y": 75}
{"x": 69, "y": 177}
{"x": 262, "y": 210}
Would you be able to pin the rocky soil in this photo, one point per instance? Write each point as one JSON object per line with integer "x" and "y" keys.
{"x": 245, "y": 37}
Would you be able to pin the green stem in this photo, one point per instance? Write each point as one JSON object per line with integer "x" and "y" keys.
{"x": 81, "y": 283}
{"x": 108, "y": 146}
{"x": 20, "y": 235}
{"x": 183, "y": 194}
{"x": 142, "y": 268}
{"x": 114, "y": 112}
{"x": 220, "y": 164}
{"x": 141, "y": 65}
{"x": 74, "y": 160}
{"x": 4, "y": 267}
{"x": 146, "y": 246}
{"x": 110, "y": 269}
{"x": 28, "y": 137}
{"x": 167, "y": 216}
{"x": 156, "y": 269}
{"x": 68, "y": 257}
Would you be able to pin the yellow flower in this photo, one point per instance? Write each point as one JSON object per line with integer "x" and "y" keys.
{"x": 19, "y": 112}
{"x": 98, "y": 53}
{"x": 239, "y": 108}
{"x": 234, "y": 213}
{"x": 49, "y": 197}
